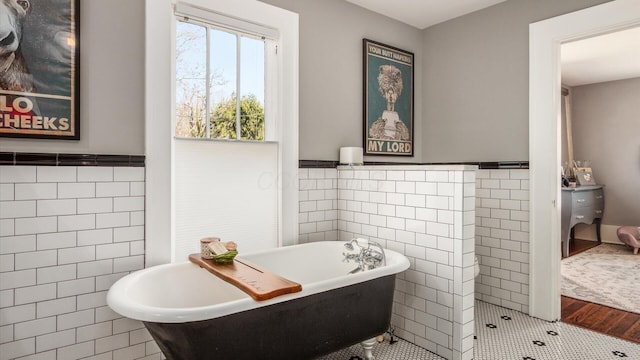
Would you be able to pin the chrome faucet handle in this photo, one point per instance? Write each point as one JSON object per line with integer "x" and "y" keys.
{"x": 369, "y": 257}
{"x": 348, "y": 257}
{"x": 349, "y": 245}
{"x": 379, "y": 254}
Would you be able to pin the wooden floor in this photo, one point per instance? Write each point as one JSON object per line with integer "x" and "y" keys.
{"x": 600, "y": 318}
{"x": 596, "y": 317}
{"x": 577, "y": 246}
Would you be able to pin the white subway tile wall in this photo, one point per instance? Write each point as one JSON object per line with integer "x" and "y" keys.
{"x": 66, "y": 235}
{"x": 424, "y": 215}
{"x": 429, "y": 216}
{"x": 502, "y": 237}
{"x": 318, "y": 199}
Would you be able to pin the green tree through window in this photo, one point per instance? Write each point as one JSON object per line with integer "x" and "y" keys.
{"x": 223, "y": 119}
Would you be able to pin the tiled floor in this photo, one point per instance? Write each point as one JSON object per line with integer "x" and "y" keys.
{"x": 508, "y": 334}
{"x": 400, "y": 350}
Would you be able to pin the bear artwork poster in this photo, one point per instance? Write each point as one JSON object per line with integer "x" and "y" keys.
{"x": 39, "y": 72}
{"x": 388, "y": 100}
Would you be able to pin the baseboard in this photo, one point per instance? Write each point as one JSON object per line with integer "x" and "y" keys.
{"x": 588, "y": 232}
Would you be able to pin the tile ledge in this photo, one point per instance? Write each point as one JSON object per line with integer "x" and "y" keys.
{"x": 443, "y": 167}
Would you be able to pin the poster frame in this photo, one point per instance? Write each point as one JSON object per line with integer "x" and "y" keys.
{"x": 58, "y": 44}
{"x": 379, "y": 138}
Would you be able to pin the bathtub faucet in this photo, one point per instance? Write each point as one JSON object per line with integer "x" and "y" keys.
{"x": 370, "y": 256}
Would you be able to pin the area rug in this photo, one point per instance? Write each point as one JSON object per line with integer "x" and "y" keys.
{"x": 607, "y": 274}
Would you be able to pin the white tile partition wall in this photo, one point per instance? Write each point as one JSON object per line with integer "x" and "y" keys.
{"x": 501, "y": 227}
{"x": 66, "y": 235}
{"x": 428, "y": 214}
{"x": 502, "y": 237}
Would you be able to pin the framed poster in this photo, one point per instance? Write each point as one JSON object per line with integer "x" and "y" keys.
{"x": 388, "y": 100}
{"x": 39, "y": 73}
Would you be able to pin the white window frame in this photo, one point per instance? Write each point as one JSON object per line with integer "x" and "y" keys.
{"x": 239, "y": 28}
{"x": 160, "y": 114}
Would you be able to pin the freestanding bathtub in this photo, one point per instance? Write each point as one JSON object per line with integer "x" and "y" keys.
{"x": 193, "y": 314}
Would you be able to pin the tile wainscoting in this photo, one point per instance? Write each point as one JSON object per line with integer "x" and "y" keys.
{"x": 386, "y": 204}
{"x": 502, "y": 228}
{"x": 502, "y": 237}
{"x": 425, "y": 212}
{"x": 318, "y": 197}
{"x": 66, "y": 234}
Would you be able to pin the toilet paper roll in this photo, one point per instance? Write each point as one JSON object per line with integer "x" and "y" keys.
{"x": 351, "y": 155}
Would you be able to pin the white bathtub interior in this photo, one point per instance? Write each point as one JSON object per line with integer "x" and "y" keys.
{"x": 183, "y": 285}
{"x": 319, "y": 261}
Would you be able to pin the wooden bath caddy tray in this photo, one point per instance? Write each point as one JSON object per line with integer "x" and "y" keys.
{"x": 259, "y": 283}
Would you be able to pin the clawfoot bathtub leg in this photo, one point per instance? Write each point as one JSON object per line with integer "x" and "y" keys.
{"x": 367, "y": 345}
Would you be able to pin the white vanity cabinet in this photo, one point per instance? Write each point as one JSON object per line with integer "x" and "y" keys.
{"x": 582, "y": 204}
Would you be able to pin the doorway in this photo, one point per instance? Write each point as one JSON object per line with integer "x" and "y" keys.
{"x": 545, "y": 39}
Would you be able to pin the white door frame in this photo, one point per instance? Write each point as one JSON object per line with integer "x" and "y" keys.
{"x": 545, "y": 38}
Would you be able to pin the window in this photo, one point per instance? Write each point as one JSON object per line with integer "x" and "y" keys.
{"x": 220, "y": 81}
{"x": 161, "y": 144}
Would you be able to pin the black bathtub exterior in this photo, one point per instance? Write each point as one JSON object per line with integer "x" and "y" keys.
{"x": 301, "y": 328}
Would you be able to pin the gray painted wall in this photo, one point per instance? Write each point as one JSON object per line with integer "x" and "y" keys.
{"x": 111, "y": 83}
{"x": 331, "y": 33}
{"x": 476, "y": 81}
{"x": 606, "y": 130}
{"x": 471, "y": 79}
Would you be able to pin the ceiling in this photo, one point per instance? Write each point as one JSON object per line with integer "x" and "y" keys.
{"x": 609, "y": 57}
{"x": 424, "y": 13}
